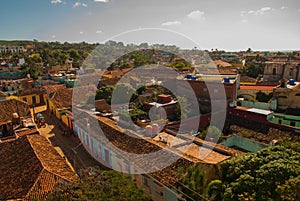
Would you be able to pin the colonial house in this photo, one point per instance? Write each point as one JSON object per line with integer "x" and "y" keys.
{"x": 161, "y": 184}
{"x": 287, "y": 95}
{"x": 51, "y": 89}
{"x": 249, "y": 91}
{"x": 209, "y": 87}
{"x": 14, "y": 114}
{"x": 33, "y": 96}
{"x": 276, "y": 70}
{"x": 34, "y": 166}
{"x": 60, "y": 104}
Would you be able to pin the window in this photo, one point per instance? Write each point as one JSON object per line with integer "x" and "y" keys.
{"x": 33, "y": 100}
{"x": 292, "y": 123}
{"x": 274, "y": 71}
{"x": 216, "y": 91}
{"x": 204, "y": 89}
{"x": 106, "y": 155}
{"x": 99, "y": 151}
{"x": 145, "y": 181}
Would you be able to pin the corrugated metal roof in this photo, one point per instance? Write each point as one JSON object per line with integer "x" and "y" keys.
{"x": 260, "y": 111}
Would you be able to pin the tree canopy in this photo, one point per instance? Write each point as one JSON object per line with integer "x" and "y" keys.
{"x": 266, "y": 175}
{"x": 99, "y": 185}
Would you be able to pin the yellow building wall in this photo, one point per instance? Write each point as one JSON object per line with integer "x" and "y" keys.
{"x": 29, "y": 98}
{"x": 64, "y": 119}
{"x": 54, "y": 110}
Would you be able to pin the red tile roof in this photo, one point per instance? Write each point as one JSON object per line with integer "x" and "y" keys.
{"x": 8, "y": 107}
{"x": 30, "y": 167}
{"x": 35, "y": 90}
{"x": 257, "y": 88}
{"x": 50, "y": 89}
{"x": 62, "y": 98}
{"x": 220, "y": 63}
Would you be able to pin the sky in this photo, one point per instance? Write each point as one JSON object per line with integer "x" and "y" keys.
{"x": 205, "y": 24}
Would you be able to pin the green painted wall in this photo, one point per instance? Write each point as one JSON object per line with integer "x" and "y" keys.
{"x": 244, "y": 143}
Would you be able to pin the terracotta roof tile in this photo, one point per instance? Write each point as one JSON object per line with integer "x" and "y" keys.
{"x": 50, "y": 89}
{"x": 30, "y": 167}
{"x": 257, "y": 88}
{"x": 8, "y": 107}
{"x": 35, "y": 90}
{"x": 221, "y": 63}
{"x": 62, "y": 98}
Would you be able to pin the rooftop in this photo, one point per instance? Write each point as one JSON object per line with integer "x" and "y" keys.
{"x": 221, "y": 63}
{"x": 255, "y": 110}
{"x": 35, "y": 90}
{"x": 62, "y": 98}
{"x": 34, "y": 166}
{"x": 257, "y": 87}
{"x": 8, "y": 107}
{"x": 50, "y": 89}
{"x": 138, "y": 144}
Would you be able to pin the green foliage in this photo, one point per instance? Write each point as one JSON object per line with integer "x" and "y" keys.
{"x": 99, "y": 185}
{"x": 192, "y": 182}
{"x": 34, "y": 71}
{"x": 215, "y": 190}
{"x": 263, "y": 97}
{"x": 290, "y": 190}
{"x": 105, "y": 93}
{"x": 211, "y": 132}
{"x": 258, "y": 176}
{"x": 141, "y": 89}
{"x": 182, "y": 109}
{"x": 253, "y": 69}
{"x": 123, "y": 93}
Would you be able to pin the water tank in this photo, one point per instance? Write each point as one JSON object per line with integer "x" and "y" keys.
{"x": 189, "y": 76}
{"x": 155, "y": 129}
{"x": 226, "y": 80}
{"x": 292, "y": 82}
{"x": 194, "y": 77}
{"x": 148, "y": 131}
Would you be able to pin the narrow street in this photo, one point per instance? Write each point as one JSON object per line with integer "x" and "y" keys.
{"x": 66, "y": 145}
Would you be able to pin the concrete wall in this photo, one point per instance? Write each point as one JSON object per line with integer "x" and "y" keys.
{"x": 258, "y": 105}
{"x": 244, "y": 143}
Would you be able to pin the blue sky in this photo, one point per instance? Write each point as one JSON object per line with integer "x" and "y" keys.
{"x": 229, "y": 25}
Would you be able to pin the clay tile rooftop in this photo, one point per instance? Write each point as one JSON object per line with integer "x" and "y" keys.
{"x": 123, "y": 140}
{"x": 8, "y": 107}
{"x": 63, "y": 98}
{"x": 30, "y": 167}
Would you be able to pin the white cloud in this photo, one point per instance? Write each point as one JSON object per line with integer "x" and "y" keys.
{"x": 196, "y": 15}
{"x": 261, "y": 11}
{"x": 99, "y": 32}
{"x": 283, "y": 7}
{"x": 171, "y": 23}
{"x": 53, "y": 36}
{"x": 103, "y": 1}
{"x": 81, "y": 32}
{"x": 77, "y": 4}
{"x": 244, "y": 21}
{"x": 56, "y": 1}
